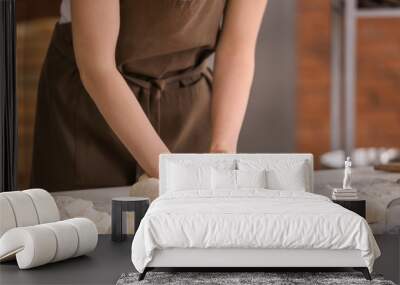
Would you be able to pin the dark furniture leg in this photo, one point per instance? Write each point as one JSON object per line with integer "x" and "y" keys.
{"x": 364, "y": 271}
{"x": 140, "y": 211}
{"x": 116, "y": 225}
{"x": 143, "y": 274}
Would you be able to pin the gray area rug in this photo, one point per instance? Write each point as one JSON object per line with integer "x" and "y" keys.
{"x": 232, "y": 278}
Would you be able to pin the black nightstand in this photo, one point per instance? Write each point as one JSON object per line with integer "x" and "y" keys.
{"x": 139, "y": 205}
{"x": 357, "y": 206}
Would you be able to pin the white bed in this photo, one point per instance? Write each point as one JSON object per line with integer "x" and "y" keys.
{"x": 380, "y": 189}
{"x": 250, "y": 227}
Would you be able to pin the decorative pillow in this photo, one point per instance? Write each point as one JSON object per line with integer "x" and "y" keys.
{"x": 223, "y": 179}
{"x": 188, "y": 177}
{"x": 281, "y": 174}
{"x": 235, "y": 179}
{"x": 292, "y": 179}
{"x": 251, "y": 178}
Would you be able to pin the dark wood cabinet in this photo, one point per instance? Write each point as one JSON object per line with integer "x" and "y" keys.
{"x": 357, "y": 206}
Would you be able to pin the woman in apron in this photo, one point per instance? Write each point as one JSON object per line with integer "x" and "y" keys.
{"x": 126, "y": 80}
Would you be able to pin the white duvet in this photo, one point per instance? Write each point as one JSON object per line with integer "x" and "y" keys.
{"x": 250, "y": 219}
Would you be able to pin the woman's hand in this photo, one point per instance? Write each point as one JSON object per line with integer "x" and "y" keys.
{"x": 95, "y": 28}
{"x": 233, "y": 73}
{"x": 221, "y": 148}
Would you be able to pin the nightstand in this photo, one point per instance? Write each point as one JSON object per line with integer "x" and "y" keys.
{"x": 138, "y": 205}
{"x": 357, "y": 206}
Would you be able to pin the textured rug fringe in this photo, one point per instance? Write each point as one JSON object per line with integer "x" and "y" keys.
{"x": 244, "y": 278}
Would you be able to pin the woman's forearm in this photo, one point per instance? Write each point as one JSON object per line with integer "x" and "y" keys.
{"x": 123, "y": 113}
{"x": 232, "y": 82}
{"x": 95, "y": 29}
{"x": 234, "y": 69}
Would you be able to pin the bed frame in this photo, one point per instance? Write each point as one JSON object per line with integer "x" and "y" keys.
{"x": 260, "y": 259}
{"x": 246, "y": 259}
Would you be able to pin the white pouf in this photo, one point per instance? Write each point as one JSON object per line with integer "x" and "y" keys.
{"x": 33, "y": 246}
{"x": 23, "y": 208}
{"x": 31, "y": 232}
{"x": 87, "y": 233}
{"x": 7, "y": 218}
{"x": 37, "y": 245}
{"x": 67, "y": 237}
{"x": 45, "y": 205}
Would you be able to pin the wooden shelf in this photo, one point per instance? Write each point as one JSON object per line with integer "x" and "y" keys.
{"x": 378, "y": 12}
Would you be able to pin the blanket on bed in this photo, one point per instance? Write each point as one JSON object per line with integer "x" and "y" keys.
{"x": 250, "y": 219}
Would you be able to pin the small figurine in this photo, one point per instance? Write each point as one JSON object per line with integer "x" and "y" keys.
{"x": 347, "y": 174}
{"x": 346, "y": 192}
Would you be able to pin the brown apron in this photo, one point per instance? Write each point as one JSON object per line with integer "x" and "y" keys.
{"x": 162, "y": 52}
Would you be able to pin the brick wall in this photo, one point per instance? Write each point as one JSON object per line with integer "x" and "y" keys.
{"x": 33, "y": 39}
{"x": 35, "y": 23}
{"x": 378, "y": 81}
{"x": 378, "y": 101}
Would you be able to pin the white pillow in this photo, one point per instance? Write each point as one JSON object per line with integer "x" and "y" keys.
{"x": 204, "y": 162}
{"x": 188, "y": 177}
{"x": 292, "y": 180}
{"x": 251, "y": 178}
{"x": 235, "y": 179}
{"x": 223, "y": 179}
{"x": 285, "y": 174}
